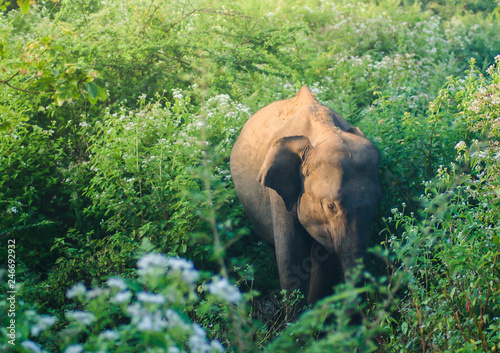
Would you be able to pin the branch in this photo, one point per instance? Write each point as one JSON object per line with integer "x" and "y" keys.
{"x": 150, "y": 16}
{"x": 235, "y": 14}
{"x": 17, "y": 88}
{"x": 17, "y": 73}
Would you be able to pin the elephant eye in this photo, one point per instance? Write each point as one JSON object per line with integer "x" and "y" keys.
{"x": 332, "y": 207}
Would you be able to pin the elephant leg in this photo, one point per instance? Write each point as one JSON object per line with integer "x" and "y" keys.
{"x": 325, "y": 273}
{"x": 292, "y": 246}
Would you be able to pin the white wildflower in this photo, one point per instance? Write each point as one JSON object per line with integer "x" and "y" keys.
{"x": 479, "y": 155}
{"x": 221, "y": 288}
{"x": 144, "y": 320}
{"x": 185, "y": 268}
{"x": 32, "y": 346}
{"x": 460, "y": 146}
{"x": 81, "y": 317}
{"x": 44, "y": 322}
{"x": 110, "y": 335}
{"x": 121, "y": 297}
{"x": 151, "y": 322}
{"x": 152, "y": 264}
{"x": 96, "y": 292}
{"x": 197, "y": 342}
{"x": 175, "y": 320}
{"x": 116, "y": 282}
{"x": 84, "y": 124}
{"x": 150, "y": 298}
{"x": 177, "y": 93}
{"x": 173, "y": 349}
{"x": 216, "y": 346}
{"x": 77, "y": 290}
{"x": 74, "y": 348}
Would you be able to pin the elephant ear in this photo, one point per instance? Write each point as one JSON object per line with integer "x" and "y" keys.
{"x": 281, "y": 168}
{"x": 356, "y": 131}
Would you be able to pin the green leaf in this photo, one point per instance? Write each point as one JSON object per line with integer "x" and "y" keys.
{"x": 103, "y": 95}
{"x": 404, "y": 327}
{"x": 93, "y": 91}
{"x": 24, "y": 5}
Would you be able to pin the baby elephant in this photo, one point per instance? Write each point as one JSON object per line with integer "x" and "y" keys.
{"x": 309, "y": 184}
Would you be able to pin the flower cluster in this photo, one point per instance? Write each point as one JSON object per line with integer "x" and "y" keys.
{"x": 221, "y": 288}
{"x": 150, "y": 311}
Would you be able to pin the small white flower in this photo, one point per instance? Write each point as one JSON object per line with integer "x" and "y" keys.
{"x": 177, "y": 93}
{"x": 121, "y": 297}
{"x": 479, "y": 155}
{"x": 77, "y": 290}
{"x": 173, "y": 349}
{"x": 150, "y": 298}
{"x": 199, "y": 331}
{"x": 460, "y": 146}
{"x": 152, "y": 264}
{"x": 44, "y": 322}
{"x": 216, "y": 346}
{"x": 13, "y": 210}
{"x": 96, "y": 292}
{"x": 109, "y": 335}
{"x": 74, "y": 348}
{"x": 221, "y": 288}
{"x": 185, "y": 268}
{"x": 197, "y": 342}
{"x": 82, "y": 317}
{"x": 144, "y": 320}
{"x": 146, "y": 323}
{"x": 116, "y": 282}
{"x": 31, "y": 346}
{"x": 84, "y": 124}
{"x": 175, "y": 320}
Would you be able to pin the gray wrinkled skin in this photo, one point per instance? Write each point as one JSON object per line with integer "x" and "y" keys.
{"x": 309, "y": 184}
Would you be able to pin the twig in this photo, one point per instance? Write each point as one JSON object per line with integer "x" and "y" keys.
{"x": 150, "y": 16}
{"x": 235, "y": 14}
{"x": 421, "y": 329}
{"x": 21, "y": 89}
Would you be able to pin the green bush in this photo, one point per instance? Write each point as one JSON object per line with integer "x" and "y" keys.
{"x": 148, "y": 313}
{"x": 450, "y": 249}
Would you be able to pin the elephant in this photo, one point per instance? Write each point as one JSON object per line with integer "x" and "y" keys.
{"x": 309, "y": 184}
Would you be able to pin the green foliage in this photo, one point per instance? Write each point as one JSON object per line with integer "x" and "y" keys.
{"x": 36, "y": 63}
{"x": 149, "y": 312}
{"x": 451, "y": 254}
{"x": 117, "y": 121}
{"x": 32, "y": 204}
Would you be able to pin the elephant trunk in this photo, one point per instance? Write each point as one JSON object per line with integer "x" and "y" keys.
{"x": 351, "y": 248}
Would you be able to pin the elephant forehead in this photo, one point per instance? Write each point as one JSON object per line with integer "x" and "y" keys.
{"x": 340, "y": 161}
{"x": 322, "y": 184}
{"x": 332, "y": 178}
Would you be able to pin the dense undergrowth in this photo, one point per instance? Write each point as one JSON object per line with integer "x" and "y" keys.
{"x": 116, "y": 123}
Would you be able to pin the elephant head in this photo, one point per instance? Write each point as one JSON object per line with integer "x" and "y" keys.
{"x": 333, "y": 188}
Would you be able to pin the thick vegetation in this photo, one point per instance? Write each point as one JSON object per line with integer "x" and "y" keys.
{"x": 116, "y": 124}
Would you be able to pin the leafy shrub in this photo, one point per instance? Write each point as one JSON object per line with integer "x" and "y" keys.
{"x": 451, "y": 255}
{"x": 149, "y": 313}
{"x": 32, "y": 206}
